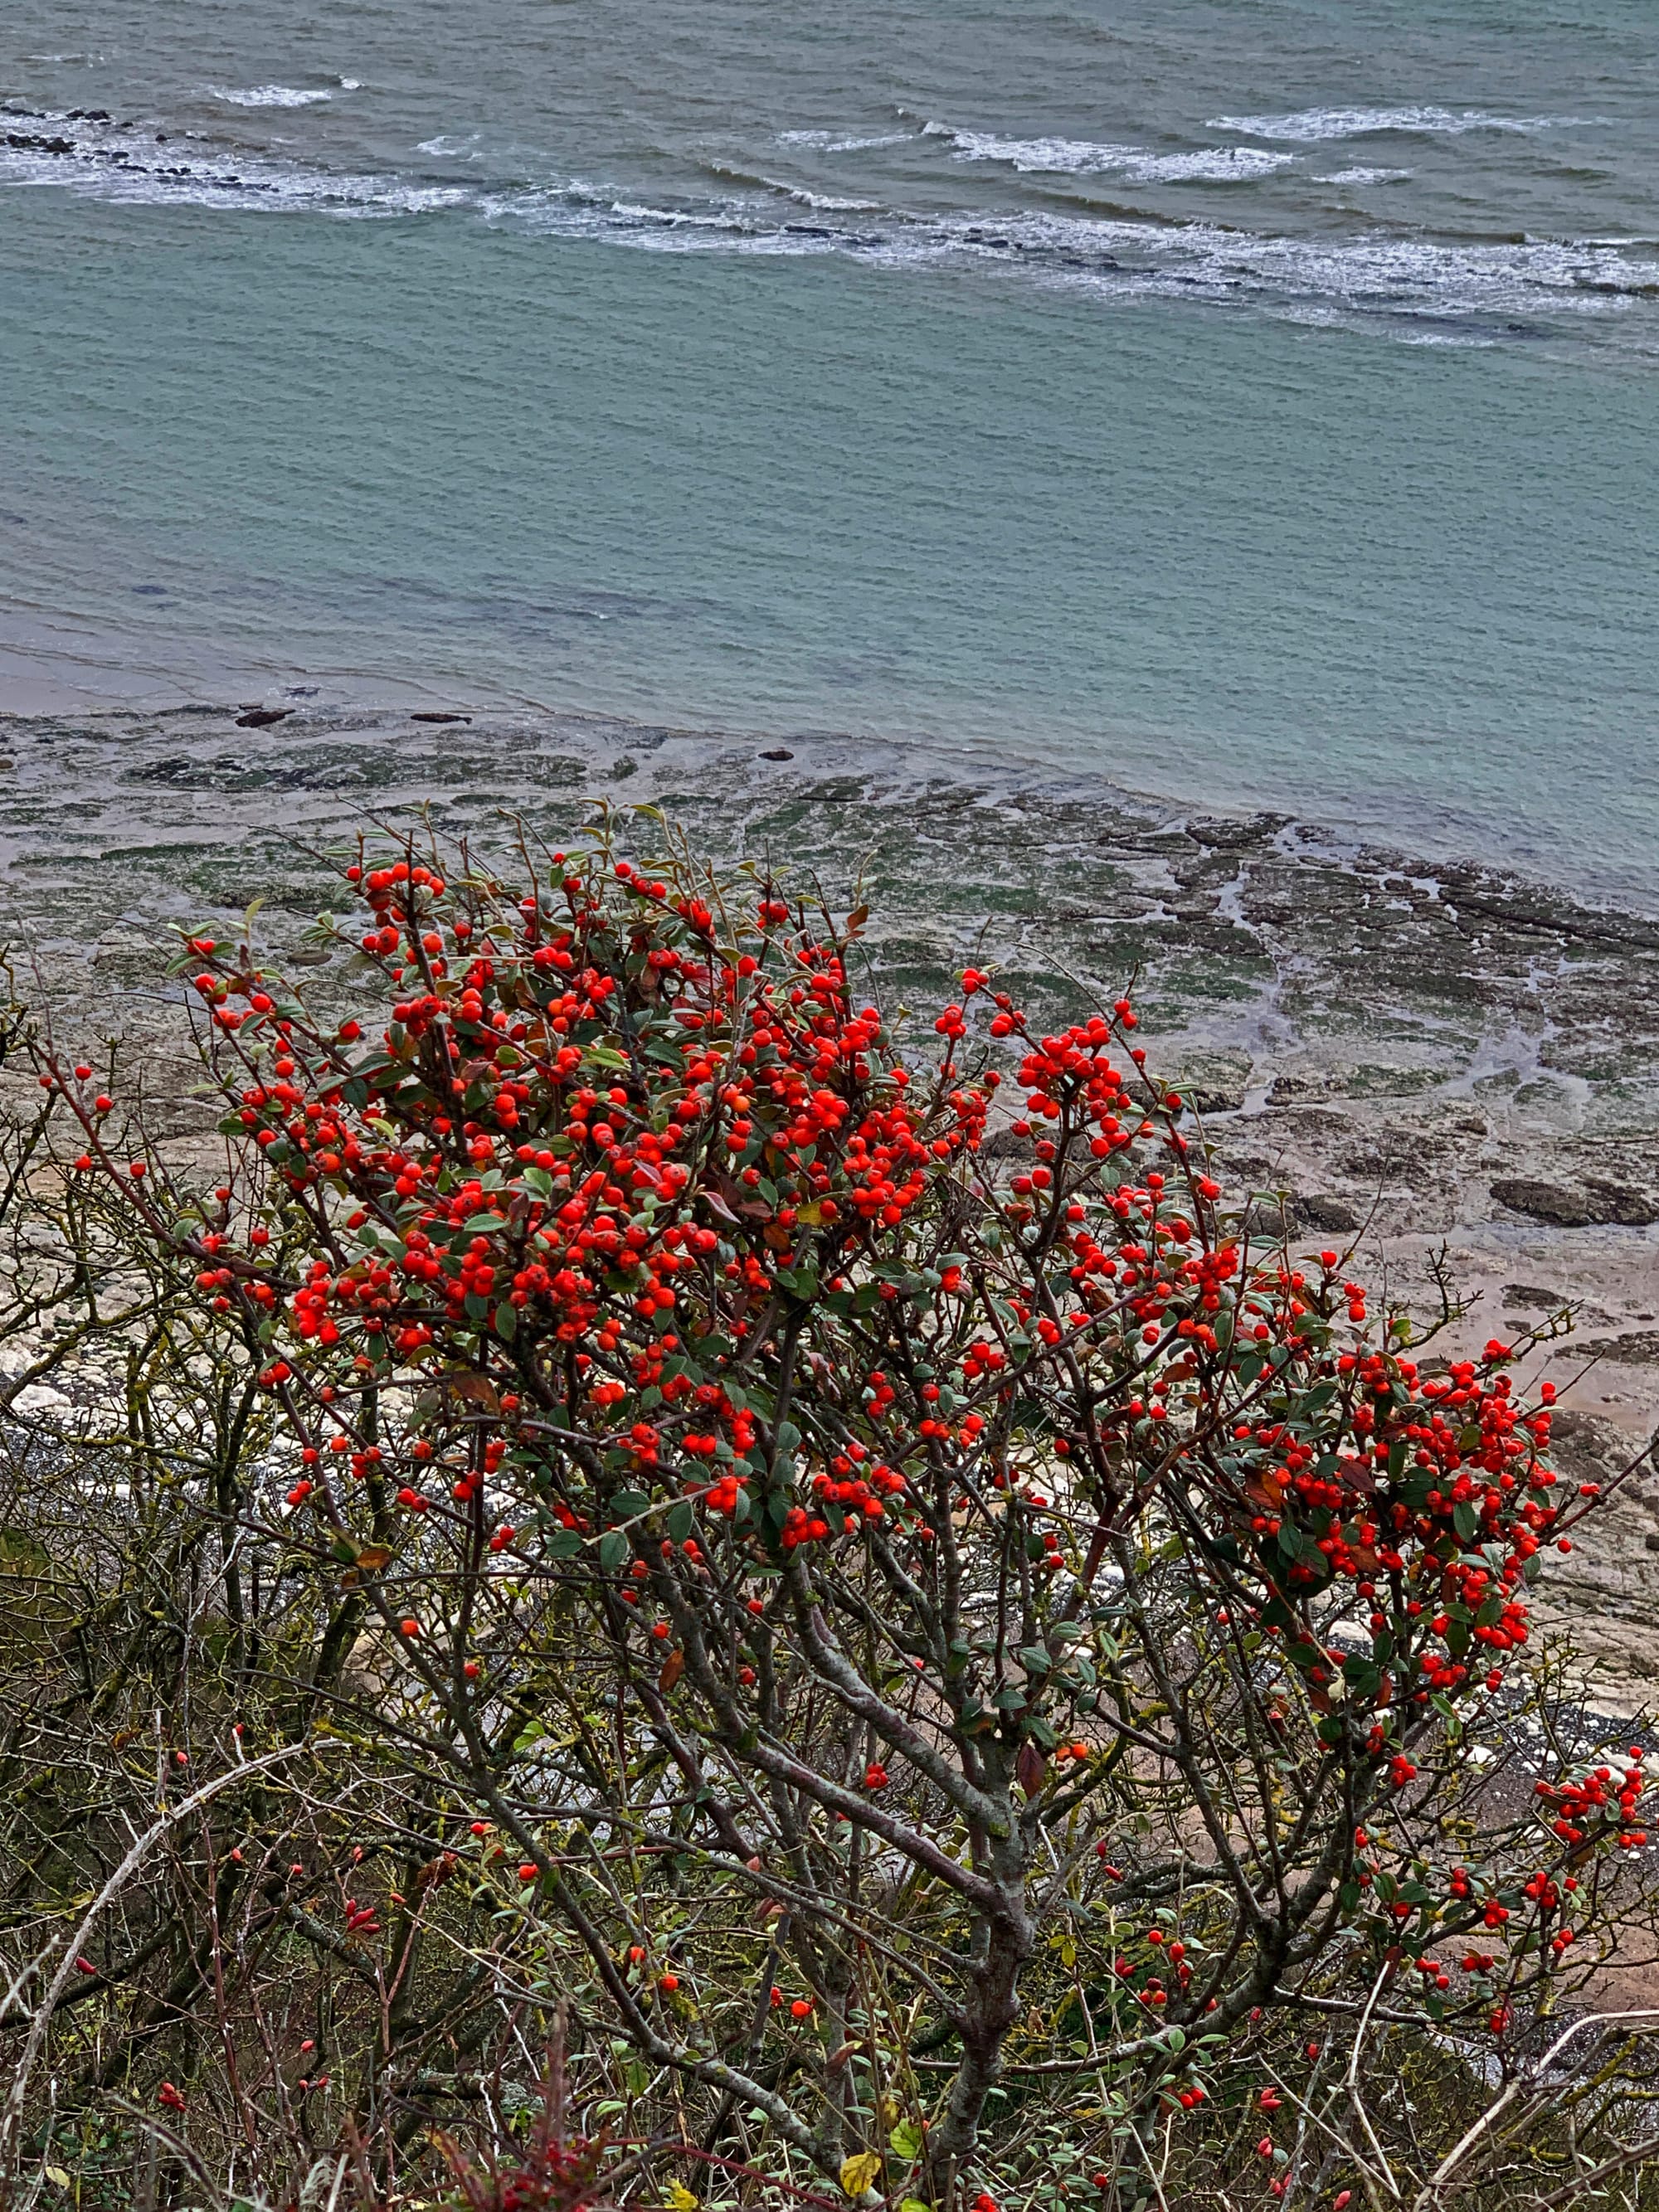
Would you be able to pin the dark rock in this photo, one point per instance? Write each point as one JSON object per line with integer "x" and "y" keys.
{"x": 1332, "y": 1214}
{"x": 1222, "y": 1097}
{"x": 1004, "y": 1144}
{"x": 1591, "y": 1205}
{"x": 1640, "y": 1349}
{"x": 1212, "y": 1082}
{"x": 261, "y": 718}
{"x": 1621, "y": 1204}
{"x": 1558, "y": 1203}
{"x": 430, "y": 714}
{"x": 1531, "y": 1294}
{"x": 777, "y": 752}
{"x": 1231, "y": 836}
{"x": 1293, "y": 1090}
{"x": 1270, "y": 1218}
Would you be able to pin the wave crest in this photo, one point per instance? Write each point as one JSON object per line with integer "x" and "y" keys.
{"x": 1313, "y": 125}
{"x": 272, "y": 95}
{"x": 1082, "y": 157}
{"x": 1399, "y": 283}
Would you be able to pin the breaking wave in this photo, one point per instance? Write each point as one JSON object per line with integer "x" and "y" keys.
{"x": 1374, "y": 276}
{"x": 1312, "y": 125}
{"x": 1081, "y": 157}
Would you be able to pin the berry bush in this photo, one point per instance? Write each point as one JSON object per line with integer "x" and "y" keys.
{"x": 830, "y": 1557}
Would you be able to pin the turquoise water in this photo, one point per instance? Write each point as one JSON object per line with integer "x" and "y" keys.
{"x": 1258, "y": 403}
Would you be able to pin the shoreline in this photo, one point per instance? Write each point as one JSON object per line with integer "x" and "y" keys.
{"x": 1431, "y": 1059}
{"x": 70, "y": 671}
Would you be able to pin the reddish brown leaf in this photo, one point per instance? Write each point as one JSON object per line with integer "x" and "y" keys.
{"x": 1031, "y": 1766}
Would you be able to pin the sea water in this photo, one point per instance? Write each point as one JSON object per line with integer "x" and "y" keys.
{"x": 1257, "y": 404}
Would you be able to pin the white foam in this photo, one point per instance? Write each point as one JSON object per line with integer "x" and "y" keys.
{"x": 825, "y": 202}
{"x": 1082, "y": 157}
{"x": 1215, "y": 165}
{"x": 1050, "y": 156}
{"x": 128, "y": 168}
{"x": 673, "y": 219}
{"x": 1310, "y": 126}
{"x": 1398, "y": 281}
{"x": 835, "y": 142}
{"x": 269, "y": 95}
{"x": 1375, "y": 273}
{"x": 1364, "y": 177}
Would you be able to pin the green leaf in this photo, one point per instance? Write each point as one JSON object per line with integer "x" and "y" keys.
{"x": 506, "y": 1319}
{"x": 564, "y": 1546}
{"x": 1465, "y": 1520}
{"x": 603, "y": 1057}
{"x": 614, "y": 1550}
{"x": 680, "y": 1520}
{"x": 905, "y": 2140}
{"x": 628, "y": 1503}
